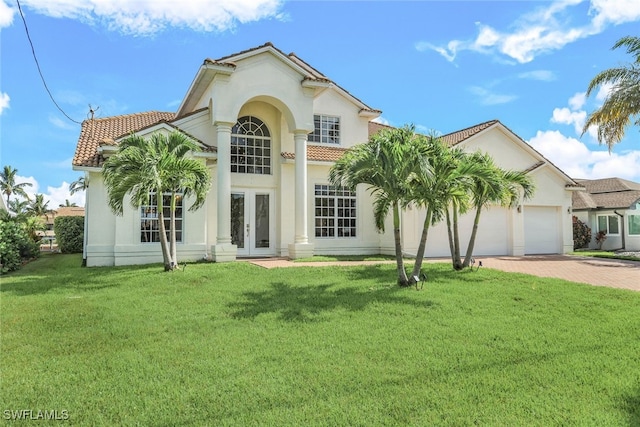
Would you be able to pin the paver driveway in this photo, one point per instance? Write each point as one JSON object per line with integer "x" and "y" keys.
{"x": 594, "y": 271}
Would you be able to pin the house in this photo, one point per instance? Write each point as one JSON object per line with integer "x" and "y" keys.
{"x": 271, "y": 126}
{"x": 48, "y": 235}
{"x": 611, "y": 205}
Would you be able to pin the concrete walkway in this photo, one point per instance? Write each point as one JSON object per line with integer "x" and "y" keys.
{"x": 593, "y": 271}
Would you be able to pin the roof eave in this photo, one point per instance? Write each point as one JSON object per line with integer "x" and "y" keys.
{"x": 204, "y": 77}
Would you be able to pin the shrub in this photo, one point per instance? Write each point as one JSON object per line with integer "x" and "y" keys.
{"x": 69, "y": 232}
{"x": 581, "y": 234}
{"x": 15, "y": 246}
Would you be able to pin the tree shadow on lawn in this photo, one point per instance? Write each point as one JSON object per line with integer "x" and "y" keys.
{"x": 632, "y": 407}
{"x": 307, "y": 303}
{"x": 91, "y": 279}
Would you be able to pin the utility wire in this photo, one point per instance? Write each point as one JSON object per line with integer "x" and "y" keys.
{"x": 38, "y": 66}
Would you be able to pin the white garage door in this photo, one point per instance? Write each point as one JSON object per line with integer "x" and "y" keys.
{"x": 542, "y": 234}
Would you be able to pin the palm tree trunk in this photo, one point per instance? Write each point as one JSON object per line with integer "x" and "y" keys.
{"x": 472, "y": 239}
{"x": 457, "y": 263}
{"x": 402, "y": 274}
{"x": 450, "y": 236}
{"x": 164, "y": 245}
{"x": 421, "y": 247}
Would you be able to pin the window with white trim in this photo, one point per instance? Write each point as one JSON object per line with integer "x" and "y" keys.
{"x": 634, "y": 225}
{"x": 326, "y": 129}
{"x": 335, "y": 211}
{"x": 609, "y": 224}
{"x": 250, "y": 147}
{"x": 150, "y": 223}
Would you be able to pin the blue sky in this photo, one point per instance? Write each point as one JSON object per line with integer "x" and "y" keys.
{"x": 440, "y": 65}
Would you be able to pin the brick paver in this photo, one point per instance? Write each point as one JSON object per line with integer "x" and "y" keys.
{"x": 594, "y": 271}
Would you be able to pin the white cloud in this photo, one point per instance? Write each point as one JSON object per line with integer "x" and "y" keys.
{"x": 61, "y": 124}
{"x": 542, "y": 75}
{"x": 578, "y": 161}
{"x": 148, "y": 17}
{"x": 6, "y": 14}
{"x": 381, "y": 120}
{"x": 488, "y": 97}
{"x": 58, "y": 195}
{"x": 614, "y": 12}
{"x": 4, "y": 101}
{"x": 54, "y": 195}
{"x": 577, "y": 101}
{"x": 544, "y": 29}
{"x": 568, "y": 117}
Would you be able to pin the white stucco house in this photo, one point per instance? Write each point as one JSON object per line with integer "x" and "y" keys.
{"x": 611, "y": 205}
{"x": 271, "y": 126}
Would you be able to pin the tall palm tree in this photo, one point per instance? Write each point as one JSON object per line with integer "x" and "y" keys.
{"x": 8, "y": 183}
{"x": 495, "y": 186}
{"x": 158, "y": 165}
{"x": 436, "y": 187}
{"x": 621, "y": 108}
{"x": 385, "y": 165}
{"x": 80, "y": 184}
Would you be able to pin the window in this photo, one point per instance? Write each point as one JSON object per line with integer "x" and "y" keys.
{"x": 250, "y": 147}
{"x": 335, "y": 211}
{"x": 149, "y": 223}
{"x": 634, "y": 225}
{"x": 609, "y": 224}
{"x": 326, "y": 129}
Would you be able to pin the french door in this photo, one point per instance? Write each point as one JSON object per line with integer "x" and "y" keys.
{"x": 252, "y": 227}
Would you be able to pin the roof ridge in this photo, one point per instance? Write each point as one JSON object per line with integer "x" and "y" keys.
{"x": 488, "y": 123}
{"x": 122, "y": 116}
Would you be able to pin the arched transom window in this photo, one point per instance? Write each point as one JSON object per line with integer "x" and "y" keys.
{"x": 250, "y": 147}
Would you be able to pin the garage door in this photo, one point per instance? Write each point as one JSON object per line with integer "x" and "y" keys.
{"x": 542, "y": 233}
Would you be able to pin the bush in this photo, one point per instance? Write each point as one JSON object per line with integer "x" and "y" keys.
{"x": 69, "y": 232}
{"x": 581, "y": 234}
{"x": 15, "y": 246}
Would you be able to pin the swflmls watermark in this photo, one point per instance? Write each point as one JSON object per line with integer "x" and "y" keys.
{"x": 35, "y": 414}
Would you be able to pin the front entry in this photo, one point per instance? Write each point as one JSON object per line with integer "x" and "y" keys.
{"x": 251, "y": 217}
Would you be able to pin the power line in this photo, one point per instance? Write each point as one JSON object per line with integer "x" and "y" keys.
{"x": 35, "y": 58}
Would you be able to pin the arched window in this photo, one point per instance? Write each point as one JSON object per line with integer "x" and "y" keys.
{"x": 250, "y": 147}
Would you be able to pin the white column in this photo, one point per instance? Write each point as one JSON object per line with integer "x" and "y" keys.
{"x": 301, "y": 248}
{"x": 301, "y": 188}
{"x": 224, "y": 250}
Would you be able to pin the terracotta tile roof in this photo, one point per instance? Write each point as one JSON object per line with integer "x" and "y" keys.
{"x": 606, "y": 193}
{"x": 319, "y": 153}
{"x": 105, "y": 131}
{"x": 461, "y": 135}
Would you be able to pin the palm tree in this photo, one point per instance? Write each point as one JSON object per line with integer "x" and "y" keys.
{"x": 157, "y": 166}
{"x": 9, "y": 186}
{"x": 18, "y": 207}
{"x": 38, "y": 207}
{"x": 67, "y": 204}
{"x": 436, "y": 187}
{"x": 495, "y": 185}
{"x": 622, "y": 104}
{"x": 385, "y": 165}
{"x": 80, "y": 184}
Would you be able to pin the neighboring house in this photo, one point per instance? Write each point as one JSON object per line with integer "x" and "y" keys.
{"x": 48, "y": 236}
{"x": 271, "y": 126}
{"x": 3, "y": 204}
{"x": 611, "y": 205}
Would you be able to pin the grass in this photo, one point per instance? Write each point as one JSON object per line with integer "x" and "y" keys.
{"x": 605, "y": 254}
{"x": 234, "y": 344}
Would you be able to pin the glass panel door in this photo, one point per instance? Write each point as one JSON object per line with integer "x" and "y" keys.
{"x": 261, "y": 228}
{"x": 238, "y": 223}
{"x": 251, "y": 214}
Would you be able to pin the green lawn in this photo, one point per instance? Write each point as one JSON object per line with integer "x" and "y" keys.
{"x": 234, "y": 344}
{"x": 605, "y": 254}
